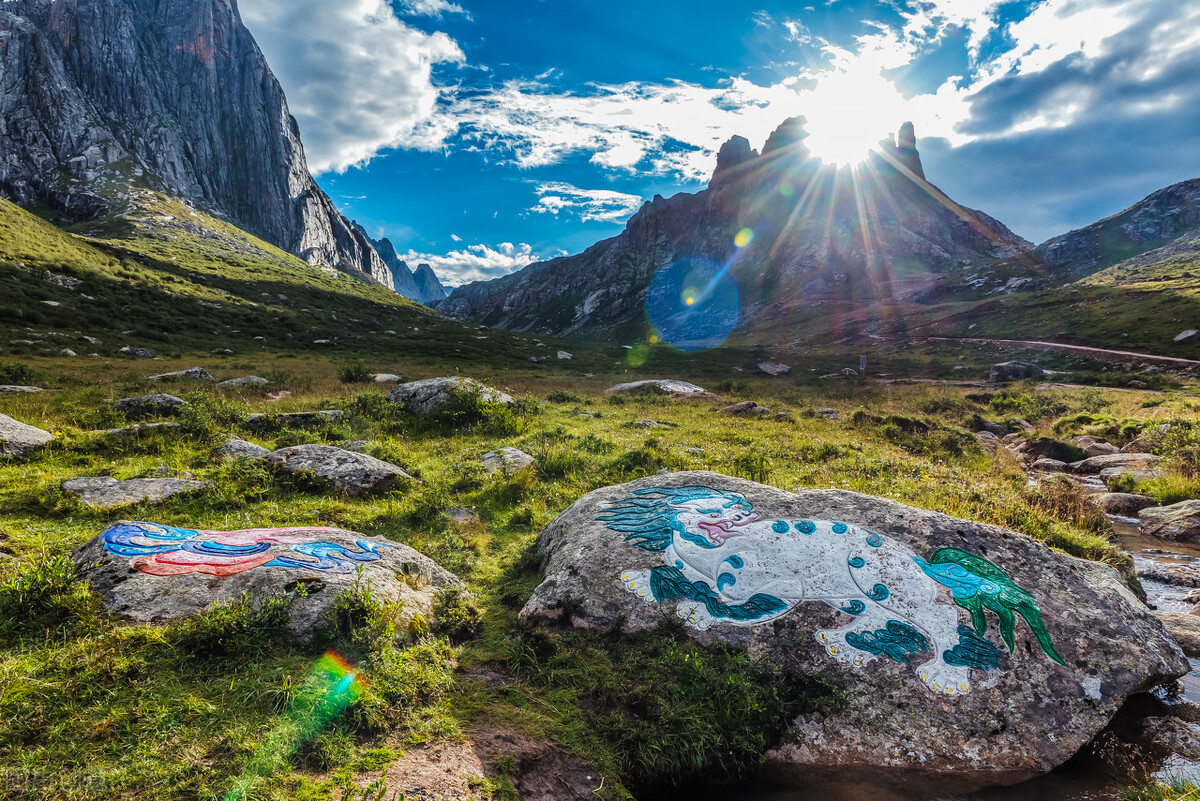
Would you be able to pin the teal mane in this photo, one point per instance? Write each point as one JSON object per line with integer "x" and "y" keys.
{"x": 649, "y": 520}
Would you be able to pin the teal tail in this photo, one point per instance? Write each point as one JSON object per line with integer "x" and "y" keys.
{"x": 978, "y": 585}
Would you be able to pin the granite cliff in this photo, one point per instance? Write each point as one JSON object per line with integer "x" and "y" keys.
{"x": 421, "y": 285}
{"x": 172, "y": 95}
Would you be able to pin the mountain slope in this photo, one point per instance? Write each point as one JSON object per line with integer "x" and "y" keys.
{"x": 772, "y": 236}
{"x": 420, "y": 285}
{"x": 172, "y": 95}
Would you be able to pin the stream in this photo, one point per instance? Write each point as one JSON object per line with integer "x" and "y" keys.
{"x": 1084, "y": 778}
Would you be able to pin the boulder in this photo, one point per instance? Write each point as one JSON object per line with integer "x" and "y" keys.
{"x": 1094, "y": 446}
{"x": 1176, "y": 575}
{"x": 18, "y": 439}
{"x": 12, "y": 389}
{"x": 963, "y": 649}
{"x": 149, "y": 573}
{"x": 241, "y": 449}
{"x": 1112, "y": 474}
{"x": 137, "y": 353}
{"x": 1014, "y": 371}
{"x": 221, "y": 352}
{"x": 142, "y": 429}
{"x": 149, "y": 405}
{"x": 988, "y": 440}
{"x": 562, "y": 354}
{"x": 191, "y": 374}
{"x": 1122, "y": 503}
{"x": 1050, "y": 465}
{"x": 828, "y": 414}
{"x": 667, "y": 386}
{"x": 1184, "y": 629}
{"x": 385, "y": 378}
{"x": 773, "y": 369}
{"x": 245, "y": 381}
{"x": 105, "y": 492}
{"x": 1179, "y": 522}
{"x": 1045, "y": 447}
{"x": 1135, "y": 461}
{"x": 745, "y": 409}
{"x": 1140, "y": 445}
{"x": 432, "y": 395}
{"x": 347, "y": 471}
{"x": 507, "y": 460}
{"x": 1186, "y": 335}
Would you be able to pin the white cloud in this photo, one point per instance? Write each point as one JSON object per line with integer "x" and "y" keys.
{"x": 357, "y": 79}
{"x": 603, "y": 205}
{"x": 432, "y": 8}
{"x": 475, "y": 262}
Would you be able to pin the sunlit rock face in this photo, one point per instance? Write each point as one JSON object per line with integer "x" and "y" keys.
{"x": 774, "y": 234}
{"x": 99, "y": 95}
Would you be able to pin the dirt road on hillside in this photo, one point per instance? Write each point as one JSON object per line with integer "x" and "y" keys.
{"x": 1099, "y": 354}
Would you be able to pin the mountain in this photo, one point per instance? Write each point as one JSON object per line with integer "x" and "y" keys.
{"x": 1153, "y": 223}
{"x": 422, "y": 286}
{"x": 97, "y": 96}
{"x": 775, "y": 235}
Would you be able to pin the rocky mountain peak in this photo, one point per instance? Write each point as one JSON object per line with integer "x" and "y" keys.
{"x": 733, "y": 154}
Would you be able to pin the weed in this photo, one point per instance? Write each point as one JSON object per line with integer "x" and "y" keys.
{"x": 42, "y": 593}
{"x": 238, "y": 628}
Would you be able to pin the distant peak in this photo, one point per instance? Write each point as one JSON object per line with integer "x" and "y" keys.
{"x": 734, "y": 153}
{"x": 791, "y": 135}
{"x": 906, "y": 149}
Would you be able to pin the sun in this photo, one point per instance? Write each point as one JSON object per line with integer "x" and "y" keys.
{"x": 849, "y": 112}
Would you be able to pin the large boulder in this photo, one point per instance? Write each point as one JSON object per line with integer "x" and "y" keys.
{"x": 346, "y": 471}
{"x": 1122, "y": 503}
{"x": 1014, "y": 371}
{"x": 432, "y": 395}
{"x": 1133, "y": 461}
{"x": 961, "y": 648}
{"x": 148, "y": 573}
{"x": 1179, "y": 521}
{"x": 18, "y": 439}
{"x": 666, "y": 386}
{"x": 1094, "y": 446}
{"x": 1184, "y": 629}
{"x": 148, "y": 405}
{"x": 14, "y": 389}
{"x": 773, "y": 369}
{"x": 105, "y": 492}
{"x": 245, "y": 381}
{"x": 191, "y": 374}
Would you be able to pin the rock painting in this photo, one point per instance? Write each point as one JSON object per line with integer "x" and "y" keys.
{"x": 167, "y": 551}
{"x": 725, "y": 563}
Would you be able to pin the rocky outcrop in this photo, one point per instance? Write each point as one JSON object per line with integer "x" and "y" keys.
{"x": 18, "y": 439}
{"x": 149, "y": 573}
{"x": 96, "y": 95}
{"x": 105, "y": 492}
{"x": 1179, "y": 521}
{"x": 430, "y": 289}
{"x": 692, "y": 263}
{"x": 962, "y": 649}
{"x": 433, "y": 395}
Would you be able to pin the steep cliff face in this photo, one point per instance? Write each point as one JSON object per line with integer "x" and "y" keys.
{"x": 170, "y": 94}
{"x": 1154, "y": 222}
{"x": 774, "y": 234}
{"x": 428, "y": 284}
{"x": 420, "y": 285}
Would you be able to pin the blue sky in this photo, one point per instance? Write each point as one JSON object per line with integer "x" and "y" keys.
{"x": 482, "y": 135}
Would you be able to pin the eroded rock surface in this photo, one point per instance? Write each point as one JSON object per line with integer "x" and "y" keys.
{"x": 963, "y": 649}
{"x": 105, "y": 492}
{"x": 1179, "y": 521}
{"x": 148, "y": 573}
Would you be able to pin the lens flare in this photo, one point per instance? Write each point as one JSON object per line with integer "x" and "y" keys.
{"x": 744, "y": 237}
{"x": 693, "y": 304}
{"x": 332, "y": 686}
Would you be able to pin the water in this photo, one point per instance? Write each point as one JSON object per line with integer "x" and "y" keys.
{"x": 1085, "y": 778}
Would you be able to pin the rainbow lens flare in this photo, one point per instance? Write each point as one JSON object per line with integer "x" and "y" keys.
{"x": 332, "y": 686}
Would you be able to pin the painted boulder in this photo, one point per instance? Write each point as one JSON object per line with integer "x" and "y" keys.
{"x": 961, "y": 649}
{"x": 149, "y": 573}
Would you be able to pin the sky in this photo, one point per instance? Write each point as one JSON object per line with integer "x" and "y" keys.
{"x": 482, "y": 135}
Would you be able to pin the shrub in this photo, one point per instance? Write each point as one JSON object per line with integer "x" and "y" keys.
{"x": 238, "y": 628}
{"x": 456, "y": 616}
{"x": 353, "y": 371}
{"x": 562, "y": 396}
{"x": 16, "y": 373}
{"x": 470, "y": 408}
{"x": 208, "y": 418}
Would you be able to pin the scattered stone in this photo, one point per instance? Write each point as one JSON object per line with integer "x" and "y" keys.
{"x": 1014, "y": 371}
{"x": 668, "y": 386}
{"x": 13, "y": 389}
{"x": 136, "y": 431}
{"x": 828, "y": 414}
{"x": 773, "y": 369}
{"x": 191, "y": 374}
{"x": 137, "y": 577}
{"x": 435, "y": 394}
{"x": 385, "y": 378}
{"x": 1113, "y": 474}
{"x": 1179, "y": 522}
{"x": 988, "y": 440}
{"x": 137, "y": 353}
{"x": 507, "y": 460}
{"x": 1050, "y": 465}
{"x": 91, "y": 340}
{"x": 67, "y": 352}
{"x": 348, "y": 472}
{"x": 1185, "y": 336}
{"x": 460, "y": 515}
{"x": 221, "y": 352}
{"x": 1184, "y": 629}
{"x": 241, "y": 449}
{"x": 562, "y": 354}
{"x": 1122, "y": 503}
{"x": 18, "y": 439}
{"x": 783, "y": 417}
{"x": 105, "y": 492}
{"x": 1136, "y": 461}
{"x": 628, "y": 555}
{"x": 148, "y": 405}
{"x": 1094, "y": 446}
{"x": 245, "y": 381}
{"x": 745, "y": 409}
{"x": 322, "y": 341}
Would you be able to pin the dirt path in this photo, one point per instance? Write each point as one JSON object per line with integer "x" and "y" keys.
{"x": 1099, "y": 354}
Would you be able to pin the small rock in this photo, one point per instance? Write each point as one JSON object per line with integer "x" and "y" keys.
{"x": 140, "y": 429}
{"x": 322, "y": 342}
{"x": 773, "y": 368}
{"x": 221, "y": 352}
{"x": 745, "y": 409}
{"x": 460, "y": 515}
{"x": 348, "y": 472}
{"x": 104, "y": 492}
{"x": 1179, "y": 522}
{"x": 1185, "y": 336}
{"x": 91, "y": 340}
{"x": 1050, "y": 465}
{"x": 562, "y": 354}
{"x": 385, "y": 378}
{"x": 1184, "y": 629}
{"x": 67, "y": 352}
{"x": 191, "y": 374}
{"x": 245, "y": 381}
{"x": 669, "y": 386}
{"x": 1022, "y": 424}
{"x": 260, "y": 339}
{"x": 783, "y": 417}
{"x": 507, "y": 460}
{"x": 1014, "y": 371}
{"x": 828, "y": 414}
{"x": 147, "y": 405}
{"x": 241, "y": 449}
{"x": 644, "y": 424}
{"x": 988, "y": 440}
{"x": 18, "y": 439}
{"x": 1135, "y": 384}
{"x": 1122, "y": 503}
{"x": 12, "y": 389}
{"x": 991, "y": 426}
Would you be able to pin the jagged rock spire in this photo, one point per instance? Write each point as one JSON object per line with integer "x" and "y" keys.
{"x": 906, "y": 149}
